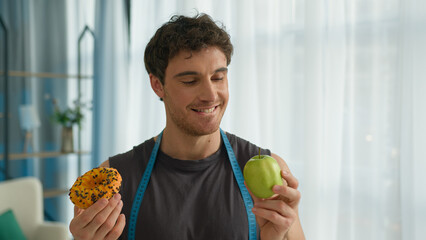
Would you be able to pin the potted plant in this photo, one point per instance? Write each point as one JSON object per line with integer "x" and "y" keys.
{"x": 67, "y": 118}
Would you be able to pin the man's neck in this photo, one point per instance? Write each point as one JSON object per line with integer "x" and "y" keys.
{"x": 179, "y": 145}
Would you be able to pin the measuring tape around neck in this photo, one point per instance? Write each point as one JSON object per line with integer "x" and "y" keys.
{"x": 240, "y": 181}
{"x": 141, "y": 189}
{"x": 147, "y": 175}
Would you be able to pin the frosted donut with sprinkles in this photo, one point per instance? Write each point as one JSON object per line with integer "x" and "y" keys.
{"x": 95, "y": 184}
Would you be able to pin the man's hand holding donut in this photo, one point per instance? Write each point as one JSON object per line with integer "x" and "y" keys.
{"x": 96, "y": 192}
{"x": 102, "y": 220}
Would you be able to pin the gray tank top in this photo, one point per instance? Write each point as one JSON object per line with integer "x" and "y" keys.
{"x": 186, "y": 199}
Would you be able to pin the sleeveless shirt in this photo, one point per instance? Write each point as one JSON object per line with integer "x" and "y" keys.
{"x": 186, "y": 199}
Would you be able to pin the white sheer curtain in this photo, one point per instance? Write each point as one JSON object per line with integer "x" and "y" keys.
{"x": 336, "y": 88}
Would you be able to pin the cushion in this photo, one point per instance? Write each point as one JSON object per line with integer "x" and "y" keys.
{"x": 9, "y": 227}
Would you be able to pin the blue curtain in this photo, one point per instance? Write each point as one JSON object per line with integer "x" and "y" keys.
{"x": 37, "y": 43}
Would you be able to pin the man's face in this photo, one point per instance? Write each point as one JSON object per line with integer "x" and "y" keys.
{"x": 196, "y": 91}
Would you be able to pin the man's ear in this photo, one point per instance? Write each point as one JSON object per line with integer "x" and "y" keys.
{"x": 156, "y": 85}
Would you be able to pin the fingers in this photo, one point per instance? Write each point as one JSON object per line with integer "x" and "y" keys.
{"x": 77, "y": 211}
{"x": 287, "y": 199}
{"x": 276, "y": 212}
{"x": 118, "y": 228}
{"x": 290, "y": 195}
{"x": 274, "y": 205}
{"x": 98, "y": 220}
{"x": 103, "y": 215}
{"x": 110, "y": 221}
{"x": 291, "y": 180}
{"x": 85, "y": 217}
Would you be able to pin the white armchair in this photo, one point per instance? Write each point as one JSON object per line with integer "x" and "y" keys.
{"x": 25, "y": 197}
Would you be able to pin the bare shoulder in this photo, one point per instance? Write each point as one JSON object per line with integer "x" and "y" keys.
{"x": 105, "y": 164}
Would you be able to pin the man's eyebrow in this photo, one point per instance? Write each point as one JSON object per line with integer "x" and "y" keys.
{"x": 223, "y": 69}
{"x": 189, "y": 73}
{"x": 186, "y": 73}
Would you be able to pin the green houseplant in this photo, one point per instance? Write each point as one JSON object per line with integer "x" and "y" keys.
{"x": 67, "y": 118}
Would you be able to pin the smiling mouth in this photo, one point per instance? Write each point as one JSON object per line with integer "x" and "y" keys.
{"x": 205, "y": 110}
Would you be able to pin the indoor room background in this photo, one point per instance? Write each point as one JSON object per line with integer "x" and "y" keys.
{"x": 335, "y": 87}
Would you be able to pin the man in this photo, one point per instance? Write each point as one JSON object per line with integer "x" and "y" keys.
{"x": 183, "y": 184}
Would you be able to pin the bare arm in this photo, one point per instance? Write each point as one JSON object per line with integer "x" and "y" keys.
{"x": 105, "y": 164}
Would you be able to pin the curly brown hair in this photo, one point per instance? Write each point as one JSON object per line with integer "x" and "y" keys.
{"x": 184, "y": 33}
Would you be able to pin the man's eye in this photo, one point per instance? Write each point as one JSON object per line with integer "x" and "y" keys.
{"x": 217, "y": 78}
{"x": 188, "y": 82}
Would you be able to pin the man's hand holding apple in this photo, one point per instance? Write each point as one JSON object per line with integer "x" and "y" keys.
{"x": 277, "y": 215}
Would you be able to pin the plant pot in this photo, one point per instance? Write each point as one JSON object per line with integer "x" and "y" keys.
{"x": 67, "y": 142}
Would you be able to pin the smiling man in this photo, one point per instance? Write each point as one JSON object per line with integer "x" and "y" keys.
{"x": 184, "y": 183}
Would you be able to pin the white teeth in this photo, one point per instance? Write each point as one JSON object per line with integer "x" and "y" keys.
{"x": 205, "y": 110}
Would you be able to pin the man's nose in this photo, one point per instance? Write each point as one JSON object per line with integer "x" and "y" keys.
{"x": 207, "y": 91}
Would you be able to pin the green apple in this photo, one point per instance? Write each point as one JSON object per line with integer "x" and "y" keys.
{"x": 261, "y": 173}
